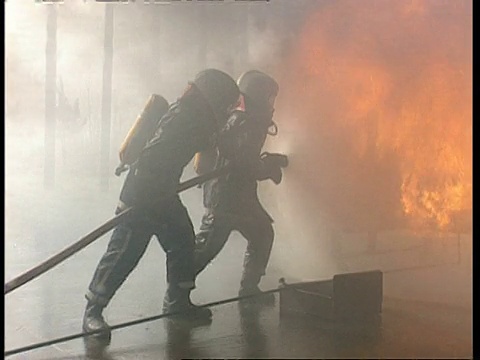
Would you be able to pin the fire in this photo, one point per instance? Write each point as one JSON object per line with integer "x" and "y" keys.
{"x": 386, "y": 89}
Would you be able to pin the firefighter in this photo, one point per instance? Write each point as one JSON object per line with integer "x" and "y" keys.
{"x": 189, "y": 126}
{"x": 232, "y": 201}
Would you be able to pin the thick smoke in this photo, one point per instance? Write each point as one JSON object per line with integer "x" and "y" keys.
{"x": 156, "y": 49}
{"x": 374, "y": 108}
{"x": 375, "y": 111}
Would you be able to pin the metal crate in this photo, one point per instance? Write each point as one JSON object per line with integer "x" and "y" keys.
{"x": 353, "y": 296}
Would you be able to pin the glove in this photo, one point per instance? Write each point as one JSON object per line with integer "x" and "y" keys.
{"x": 275, "y": 174}
{"x": 273, "y": 164}
{"x": 274, "y": 159}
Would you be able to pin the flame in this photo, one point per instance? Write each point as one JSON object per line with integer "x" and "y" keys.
{"x": 386, "y": 89}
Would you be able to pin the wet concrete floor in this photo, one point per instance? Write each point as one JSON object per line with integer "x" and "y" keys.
{"x": 407, "y": 329}
{"x": 256, "y": 334}
{"x": 52, "y": 305}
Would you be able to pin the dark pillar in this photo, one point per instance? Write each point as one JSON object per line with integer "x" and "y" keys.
{"x": 106, "y": 99}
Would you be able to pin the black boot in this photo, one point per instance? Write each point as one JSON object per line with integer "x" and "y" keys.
{"x": 94, "y": 321}
{"x": 178, "y": 300}
{"x": 260, "y": 299}
{"x": 249, "y": 285}
{"x": 254, "y": 265}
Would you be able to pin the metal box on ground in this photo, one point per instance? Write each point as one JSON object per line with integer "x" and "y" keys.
{"x": 347, "y": 297}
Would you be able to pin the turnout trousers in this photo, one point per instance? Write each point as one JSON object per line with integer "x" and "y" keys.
{"x": 174, "y": 230}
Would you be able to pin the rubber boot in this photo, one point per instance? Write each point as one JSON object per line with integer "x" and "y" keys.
{"x": 249, "y": 286}
{"x": 178, "y": 300}
{"x": 94, "y": 321}
{"x": 266, "y": 299}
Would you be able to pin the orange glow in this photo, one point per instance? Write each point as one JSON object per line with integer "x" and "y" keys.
{"x": 386, "y": 88}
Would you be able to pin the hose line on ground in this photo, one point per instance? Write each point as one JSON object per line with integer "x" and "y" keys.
{"x": 131, "y": 323}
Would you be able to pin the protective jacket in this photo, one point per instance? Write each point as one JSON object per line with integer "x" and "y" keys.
{"x": 175, "y": 142}
{"x": 240, "y": 142}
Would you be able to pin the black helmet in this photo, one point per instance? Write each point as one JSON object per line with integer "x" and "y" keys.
{"x": 258, "y": 87}
{"x": 219, "y": 89}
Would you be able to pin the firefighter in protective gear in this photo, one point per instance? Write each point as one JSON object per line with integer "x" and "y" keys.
{"x": 190, "y": 125}
{"x": 231, "y": 201}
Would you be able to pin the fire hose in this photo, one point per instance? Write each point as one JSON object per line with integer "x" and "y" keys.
{"x": 96, "y": 234}
{"x": 88, "y": 239}
{"x": 135, "y": 322}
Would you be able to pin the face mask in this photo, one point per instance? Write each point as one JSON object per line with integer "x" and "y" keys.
{"x": 271, "y": 101}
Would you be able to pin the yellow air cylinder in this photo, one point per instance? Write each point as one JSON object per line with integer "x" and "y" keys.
{"x": 143, "y": 129}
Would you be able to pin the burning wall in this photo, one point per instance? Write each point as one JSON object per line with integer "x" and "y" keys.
{"x": 378, "y": 108}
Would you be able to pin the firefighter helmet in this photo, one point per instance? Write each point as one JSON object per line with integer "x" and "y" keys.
{"x": 219, "y": 89}
{"x": 259, "y": 88}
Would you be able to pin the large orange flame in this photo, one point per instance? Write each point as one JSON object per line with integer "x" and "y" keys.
{"x": 382, "y": 91}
